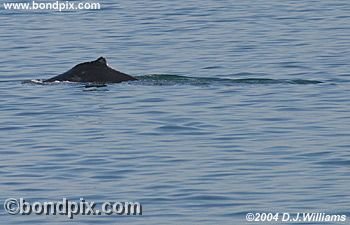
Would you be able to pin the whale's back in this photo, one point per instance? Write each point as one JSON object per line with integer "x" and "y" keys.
{"x": 96, "y": 71}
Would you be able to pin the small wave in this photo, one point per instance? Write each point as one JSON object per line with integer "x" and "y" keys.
{"x": 87, "y": 86}
{"x": 171, "y": 80}
{"x": 34, "y": 81}
{"x": 166, "y": 79}
{"x": 42, "y": 82}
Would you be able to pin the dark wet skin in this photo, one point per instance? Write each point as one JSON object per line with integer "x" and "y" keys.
{"x": 93, "y": 72}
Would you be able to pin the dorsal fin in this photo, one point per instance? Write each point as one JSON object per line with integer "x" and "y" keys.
{"x": 102, "y": 60}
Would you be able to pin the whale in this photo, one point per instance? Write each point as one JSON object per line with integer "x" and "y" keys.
{"x": 96, "y": 71}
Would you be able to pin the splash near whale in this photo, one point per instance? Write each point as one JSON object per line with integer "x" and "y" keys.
{"x": 93, "y": 72}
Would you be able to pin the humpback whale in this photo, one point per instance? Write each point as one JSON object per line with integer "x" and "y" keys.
{"x": 93, "y": 72}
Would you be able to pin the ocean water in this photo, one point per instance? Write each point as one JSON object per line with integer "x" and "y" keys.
{"x": 241, "y": 106}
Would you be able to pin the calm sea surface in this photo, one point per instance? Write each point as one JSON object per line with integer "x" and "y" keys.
{"x": 241, "y": 106}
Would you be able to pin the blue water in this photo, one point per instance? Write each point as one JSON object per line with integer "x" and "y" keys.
{"x": 241, "y": 106}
